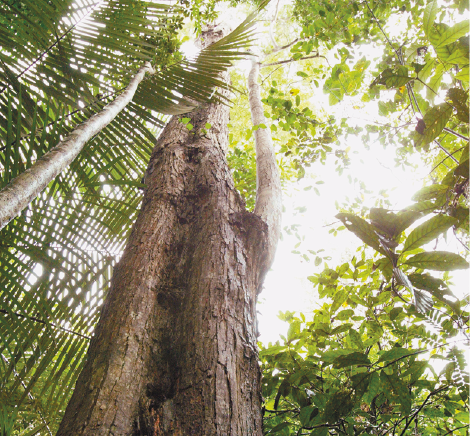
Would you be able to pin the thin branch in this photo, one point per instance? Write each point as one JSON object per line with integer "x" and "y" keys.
{"x": 455, "y": 133}
{"x": 446, "y": 151}
{"x": 291, "y": 60}
{"x": 458, "y": 239}
{"x": 458, "y": 428}
{"x": 422, "y": 405}
{"x": 275, "y": 45}
{"x": 442, "y": 161}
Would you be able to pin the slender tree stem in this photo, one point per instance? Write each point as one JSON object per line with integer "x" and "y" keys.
{"x": 26, "y": 187}
{"x": 268, "y": 183}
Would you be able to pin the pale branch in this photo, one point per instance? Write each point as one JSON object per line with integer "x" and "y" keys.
{"x": 275, "y": 45}
{"x": 286, "y": 61}
{"x": 23, "y": 189}
{"x": 268, "y": 183}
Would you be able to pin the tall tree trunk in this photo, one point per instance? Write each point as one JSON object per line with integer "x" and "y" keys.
{"x": 175, "y": 350}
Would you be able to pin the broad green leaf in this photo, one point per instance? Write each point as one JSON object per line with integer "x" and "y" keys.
{"x": 428, "y": 231}
{"x": 429, "y": 283}
{"x": 393, "y": 78}
{"x": 435, "y": 120}
{"x": 395, "y": 312}
{"x": 345, "y": 315}
{"x": 432, "y": 89}
{"x": 279, "y": 427}
{"x": 272, "y": 350}
{"x": 362, "y": 229}
{"x": 329, "y": 356}
{"x": 393, "y": 383}
{"x": 429, "y": 16}
{"x": 395, "y": 353}
{"x": 374, "y": 388}
{"x": 307, "y": 414}
{"x": 384, "y": 220}
{"x": 463, "y": 74}
{"x": 338, "y": 406}
{"x": 352, "y": 359}
{"x": 462, "y": 417}
{"x": 415, "y": 370}
{"x": 294, "y": 330}
{"x": 322, "y": 431}
{"x": 360, "y": 383}
{"x": 458, "y": 98}
{"x": 407, "y": 217}
{"x": 430, "y": 192}
{"x": 453, "y": 33}
{"x": 438, "y": 261}
{"x": 462, "y": 169}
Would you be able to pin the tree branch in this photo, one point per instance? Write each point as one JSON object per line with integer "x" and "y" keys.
{"x": 291, "y": 60}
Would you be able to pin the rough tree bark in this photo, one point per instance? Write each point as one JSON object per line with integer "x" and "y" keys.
{"x": 175, "y": 351}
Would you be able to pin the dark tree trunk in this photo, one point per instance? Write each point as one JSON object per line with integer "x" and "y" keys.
{"x": 175, "y": 350}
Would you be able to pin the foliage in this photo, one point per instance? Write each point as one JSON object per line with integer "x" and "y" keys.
{"x": 365, "y": 362}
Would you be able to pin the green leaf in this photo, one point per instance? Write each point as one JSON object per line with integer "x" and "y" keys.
{"x": 462, "y": 169}
{"x": 428, "y": 231}
{"x": 430, "y": 192}
{"x": 272, "y": 350}
{"x": 345, "y": 315}
{"x": 322, "y": 431}
{"x": 415, "y": 370}
{"x": 463, "y": 74}
{"x": 294, "y": 330}
{"x": 462, "y": 417}
{"x": 185, "y": 120}
{"x": 438, "y": 261}
{"x": 435, "y": 120}
{"x": 338, "y": 406}
{"x": 373, "y": 389}
{"x": 453, "y": 33}
{"x": 189, "y": 126}
{"x": 393, "y": 79}
{"x": 279, "y": 427}
{"x": 360, "y": 384}
{"x": 395, "y": 353}
{"x": 429, "y": 283}
{"x": 352, "y": 359}
{"x": 307, "y": 414}
{"x": 429, "y": 16}
{"x": 362, "y": 229}
{"x": 393, "y": 314}
{"x": 329, "y": 356}
{"x": 394, "y": 384}
{"x": 458, "y": 98}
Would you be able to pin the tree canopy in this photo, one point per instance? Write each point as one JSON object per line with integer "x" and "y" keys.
{"x": 363, "y": 363}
